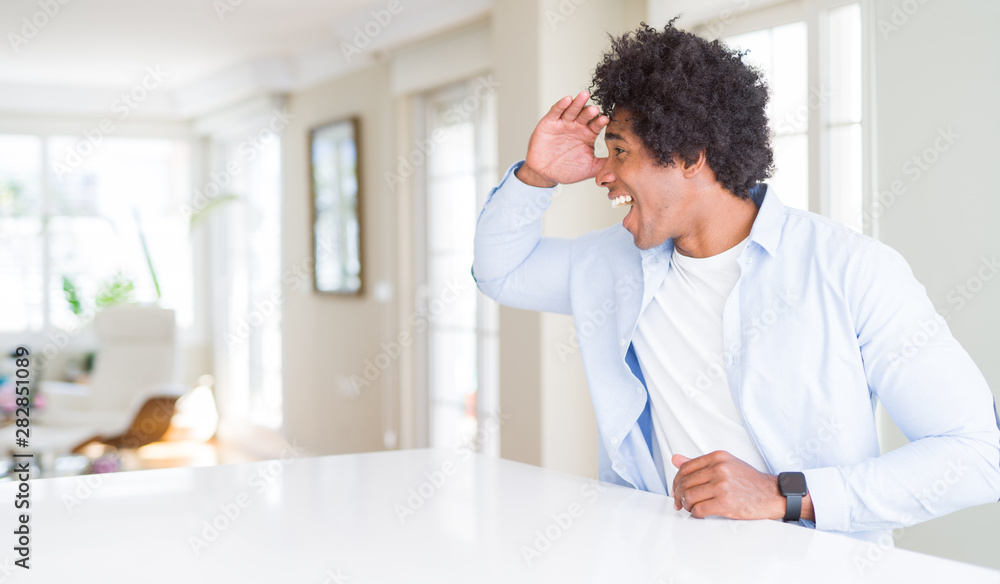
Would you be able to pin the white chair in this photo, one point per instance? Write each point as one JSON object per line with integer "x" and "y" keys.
{"x": 129, "y": 401}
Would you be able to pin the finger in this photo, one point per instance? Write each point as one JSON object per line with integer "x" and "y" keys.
{"x": 694, "y": 495}
{"x": 576, "y": 107}
{"x": 558, "y": 108}
{"x": 683, "y": 483}
{"x": 696, "y": 464}
{"x": 598, "y": 123}
{"x": 677, "y": 460}
{"x": 688, "y": 495}
{"x": 701, "y": 477}
{"x": 691, "y": 465}
{"x": 587, "y": 113}
{"x": 706, "y": 508}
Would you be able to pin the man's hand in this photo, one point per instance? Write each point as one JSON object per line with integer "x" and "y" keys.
{"x": 561, "y": 149}
{"x": 721, "y": 484}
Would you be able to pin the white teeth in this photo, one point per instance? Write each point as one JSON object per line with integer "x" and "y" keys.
{"x": 621, "y": 200}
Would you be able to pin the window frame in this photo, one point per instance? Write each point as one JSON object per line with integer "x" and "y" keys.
{"x": 814, "y": 14}
{"x": 240, "y": 409}
{"x": 487, "y": 398}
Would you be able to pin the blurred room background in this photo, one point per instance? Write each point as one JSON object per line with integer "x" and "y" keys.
{"x": 234, "y": 228}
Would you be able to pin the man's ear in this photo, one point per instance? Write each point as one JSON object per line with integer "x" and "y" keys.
{"x": 691, "y": 168}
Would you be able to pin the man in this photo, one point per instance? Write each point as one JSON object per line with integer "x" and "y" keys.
{"x": 735, "y": 348}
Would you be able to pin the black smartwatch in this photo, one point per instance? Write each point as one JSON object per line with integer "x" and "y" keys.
{"x": 793, "y": 487}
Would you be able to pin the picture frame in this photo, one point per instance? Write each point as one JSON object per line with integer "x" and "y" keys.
{"x": 336, "y": 201}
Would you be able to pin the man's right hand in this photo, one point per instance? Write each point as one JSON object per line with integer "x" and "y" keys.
{"x": 561, "y": 149}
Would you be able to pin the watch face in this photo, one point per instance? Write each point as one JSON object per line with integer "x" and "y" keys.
{"x": 792, "y": 483}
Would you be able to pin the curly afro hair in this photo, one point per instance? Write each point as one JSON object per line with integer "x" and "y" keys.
{"x": 686, "y": 94}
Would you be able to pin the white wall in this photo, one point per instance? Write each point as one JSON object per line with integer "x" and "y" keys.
{"x": 935, "y": 69}
{"x": 327, "y": 338}
{"x": 517, "y": 69}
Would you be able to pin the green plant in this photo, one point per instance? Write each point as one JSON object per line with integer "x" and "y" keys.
{"x": 13, "y": 203}
{"x": 145, "y": 252}
{"x": 116, "y": 290}
{"x": 69, "y": 288}
{"x": 213, "y": 204}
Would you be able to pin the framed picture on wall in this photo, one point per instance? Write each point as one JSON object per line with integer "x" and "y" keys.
{"x": 334, "y": 165}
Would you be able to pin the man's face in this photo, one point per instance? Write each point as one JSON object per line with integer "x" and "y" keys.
{"x": 662, "y": 198}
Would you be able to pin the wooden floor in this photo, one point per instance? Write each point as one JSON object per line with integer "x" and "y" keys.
{"x": 183, "y": 453}
{"x": 175, "y": 450}
{"x": 169, "y": 453}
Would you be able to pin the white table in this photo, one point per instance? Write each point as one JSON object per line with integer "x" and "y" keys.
{"x": 336, "y": 519}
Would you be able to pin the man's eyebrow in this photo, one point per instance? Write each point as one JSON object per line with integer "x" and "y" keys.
{"x": 614, "y": 136}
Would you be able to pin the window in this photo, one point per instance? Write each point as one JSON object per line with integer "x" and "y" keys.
{"x": 842, "y": 123}
{"x": 811, "y": 55}
{"x": 21, "y": 237}
{"x": 780, "y": 52}
{"x": 459, "y": 352}
{"x": 246, "y": 263}
{"x": 116, "y": 214}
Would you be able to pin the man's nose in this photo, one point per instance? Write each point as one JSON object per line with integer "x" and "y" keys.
{"x": 604, "y": 176}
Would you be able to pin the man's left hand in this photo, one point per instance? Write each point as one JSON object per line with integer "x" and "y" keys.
{"x": 721, "y": 484}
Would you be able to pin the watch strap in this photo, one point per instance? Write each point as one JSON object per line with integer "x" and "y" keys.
{"x": 793, "y": 507}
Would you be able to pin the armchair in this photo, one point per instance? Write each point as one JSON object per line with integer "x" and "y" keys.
{"x": 130, "y": 399}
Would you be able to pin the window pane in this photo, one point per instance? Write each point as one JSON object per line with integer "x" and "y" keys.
{"x": 791, "y": 174}
{"x": 843, "y": 136}
{"x": 20, "y": 176}
{"x": 125, "y": 193}
{"x": 454, "y": 354}
{"x": 451, "y": 201}
{"x": 453, "y": 379}
{"x": 450, "y": 146}
{"x": 788, "y": 78}
{"x": 780, "y": 53}
{"x": 252, "y": 241}
{"x": 88, "y": 251}
{"x": 21, "y": 262}
{"x": 844, "y": 64}
{"x": 459, "y": 134}
{"x": 451, "y": 290}
{"x": 451, "y": 425}
{"x": 21, "y": 295}
{"x": 845, "y": 175}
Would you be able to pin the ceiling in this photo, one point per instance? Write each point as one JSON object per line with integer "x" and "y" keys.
{"x": 80, "y": 56}
{"x": 210, "y": 51}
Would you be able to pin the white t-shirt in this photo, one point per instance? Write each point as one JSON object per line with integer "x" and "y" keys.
{"x": 679, "y": 345}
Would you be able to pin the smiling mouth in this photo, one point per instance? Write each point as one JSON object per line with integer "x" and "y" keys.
{"x": 620, "y": 201}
